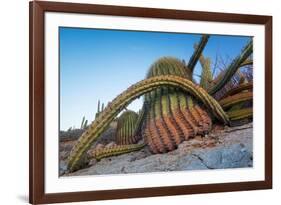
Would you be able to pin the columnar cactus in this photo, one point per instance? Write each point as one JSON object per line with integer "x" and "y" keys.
{"x": 84, "y": 123}
{"x": 126, "y": 126}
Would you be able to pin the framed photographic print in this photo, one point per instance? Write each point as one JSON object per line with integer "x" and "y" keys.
{"x": 138, "y": 102}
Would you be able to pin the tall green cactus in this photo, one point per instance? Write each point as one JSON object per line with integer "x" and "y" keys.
{"x": 126, "y": 125}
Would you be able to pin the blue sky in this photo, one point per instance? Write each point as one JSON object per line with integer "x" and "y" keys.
{"x": 100, "y": 64}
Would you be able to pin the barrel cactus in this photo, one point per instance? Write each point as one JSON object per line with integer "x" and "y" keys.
{"x": 126, "y": 126}
{"x": 172, "y": 115}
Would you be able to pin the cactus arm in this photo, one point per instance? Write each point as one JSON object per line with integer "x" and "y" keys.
{"x": 112, "y": 109}
{"x": 233, "y": 67}
{"x": 197, "y": 52}
{"x": 238, "y": 89}
{"x": 240, "y": 114}
{"x": 235, "y": 99}
{"x": 117, "y": 150}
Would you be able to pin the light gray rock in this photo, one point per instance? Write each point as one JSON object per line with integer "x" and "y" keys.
{"x": 231, "y": 148}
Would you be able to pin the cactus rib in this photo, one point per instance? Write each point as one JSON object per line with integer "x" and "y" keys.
{"x": 133, "y": 92}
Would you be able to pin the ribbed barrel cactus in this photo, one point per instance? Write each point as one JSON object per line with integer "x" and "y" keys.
{"x": 172, "y": 115}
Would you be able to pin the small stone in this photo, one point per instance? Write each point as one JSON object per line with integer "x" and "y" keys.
{"x": 109, "y": 145}
{"x": 99, "y": 146}
{"x": 92, "y": 162}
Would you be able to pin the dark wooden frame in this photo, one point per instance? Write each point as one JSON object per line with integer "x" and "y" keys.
{"x": 37, "y": 96}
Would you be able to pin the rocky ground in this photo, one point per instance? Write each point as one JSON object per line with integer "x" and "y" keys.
{"x": 229, "y": 147}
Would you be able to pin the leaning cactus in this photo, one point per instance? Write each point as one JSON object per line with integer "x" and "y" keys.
{"x": 82, "y": 123}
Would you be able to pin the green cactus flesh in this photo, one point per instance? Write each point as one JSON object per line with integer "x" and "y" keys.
{"x": 163, "y": 86}
{"x": 126, "y": 125}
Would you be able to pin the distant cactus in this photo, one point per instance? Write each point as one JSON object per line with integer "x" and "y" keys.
{"x": 100, "y": 108}
{"x": 84, "y": 123}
